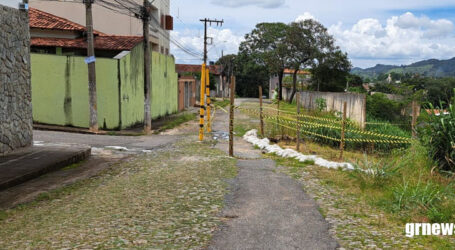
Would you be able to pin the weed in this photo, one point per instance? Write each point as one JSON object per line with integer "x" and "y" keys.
{"x": 374, "y": 174}
{"x": 3, "y": 215}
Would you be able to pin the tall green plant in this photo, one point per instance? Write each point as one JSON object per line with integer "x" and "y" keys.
{"x": 439, "y": 136}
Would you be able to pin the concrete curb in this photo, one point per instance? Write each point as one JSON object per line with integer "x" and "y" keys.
{"x": 76, "y": 157}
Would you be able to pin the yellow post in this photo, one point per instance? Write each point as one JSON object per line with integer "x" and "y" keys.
{"x": 202, "y": 105}
{"x": 209, "y": 109}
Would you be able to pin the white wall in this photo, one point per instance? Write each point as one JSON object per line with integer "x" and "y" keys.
{"x": 11, "y": 3}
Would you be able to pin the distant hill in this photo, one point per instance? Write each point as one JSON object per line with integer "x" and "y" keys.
{"x": 432, "y": 67}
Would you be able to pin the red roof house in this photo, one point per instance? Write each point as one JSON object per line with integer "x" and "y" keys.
{"x": 56, "y": 35}
{"x": 191, "y": 68}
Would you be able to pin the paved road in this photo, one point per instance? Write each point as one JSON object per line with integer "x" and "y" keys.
{"x": 265, "y": 209}
{"x": 101, "y": 141}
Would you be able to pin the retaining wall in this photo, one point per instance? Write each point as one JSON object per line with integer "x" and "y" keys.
{"x": 356, "y": 103}
{"x": 15, "y": 97}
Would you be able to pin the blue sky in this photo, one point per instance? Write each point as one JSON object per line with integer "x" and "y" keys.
{"x": 371, "y": 32}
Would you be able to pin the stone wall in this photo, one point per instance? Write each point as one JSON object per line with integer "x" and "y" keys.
{"x": 15, "y": 89}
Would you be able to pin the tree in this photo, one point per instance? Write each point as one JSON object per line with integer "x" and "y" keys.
{"x": 227, "y": 63}
{"x": 250, "y": 75}
{"x": 330, "y": 69}
{"x": 307, "y": 40}
{"x": 266, "y": 45}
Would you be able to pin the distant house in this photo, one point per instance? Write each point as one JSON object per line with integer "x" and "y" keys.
{"x": 60, "y": 82}
{"x": 113, "y": 22}
{"x": 303, "y": 76}
{"x": 187, "y": 92}
{"x": 215, "y": 70}
{"x": 437, "y": 112}
{"x": 51, "y": 34}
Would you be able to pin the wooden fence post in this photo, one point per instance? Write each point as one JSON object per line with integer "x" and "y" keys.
{"x": 278, "y": 119}
{"x": 343, "y": 130}
{"x": 298, "y": 121}
{"x": 415, "y": 115}
{"x": 231, "y": 118}
{"x": 261, "y": 110}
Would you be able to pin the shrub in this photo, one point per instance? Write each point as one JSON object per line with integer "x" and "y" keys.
{"x": 321, "y": 103}
{"x": 439, "y": 137}
{"x": 381, "y": 107}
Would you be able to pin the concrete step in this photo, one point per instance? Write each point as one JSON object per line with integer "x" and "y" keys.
{"x": 29, "y": 163}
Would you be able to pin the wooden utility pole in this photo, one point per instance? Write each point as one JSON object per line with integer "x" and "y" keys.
{"x": 147, "y": 68}
{"x": 298, "y": 120}
{"x": 261, "y": 111}
{"x": 90, "y": 60}
{"x": 343, "y": 130}
{"x": 208, "y": 21}
{"x": 231, "y": 118}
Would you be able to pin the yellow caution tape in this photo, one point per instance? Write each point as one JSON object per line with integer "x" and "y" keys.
{"x": 318, "y": 125}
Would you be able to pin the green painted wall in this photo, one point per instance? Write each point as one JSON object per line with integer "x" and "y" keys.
{"x": 60, "y": 89}
{"x": 164, "y": 99}
{"x": 164, "y": 86}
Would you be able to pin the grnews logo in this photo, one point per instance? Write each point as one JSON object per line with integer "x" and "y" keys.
{"x": 427, "y": 229}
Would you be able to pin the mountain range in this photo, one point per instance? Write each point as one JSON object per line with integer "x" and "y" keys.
{"x": 431, "y": 68}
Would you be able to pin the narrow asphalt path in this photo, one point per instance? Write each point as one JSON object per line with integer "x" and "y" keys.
{"x": 267, "y": 210}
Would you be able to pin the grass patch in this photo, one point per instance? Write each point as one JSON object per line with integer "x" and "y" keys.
{"x": 3, "y": 215}
{"x": 73, "y": 166}
{"x": 221, "y": 103}
{"x": 176, "y": 121}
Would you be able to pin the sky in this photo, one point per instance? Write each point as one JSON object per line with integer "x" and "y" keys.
{"x": 393, "y": 32}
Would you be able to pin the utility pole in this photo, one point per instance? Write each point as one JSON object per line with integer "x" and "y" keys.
{"x": 205, "y": 80}
{"x": 147, "y": 68}
{"x": 209, "y": 21}
{"x": 90, "y": 60}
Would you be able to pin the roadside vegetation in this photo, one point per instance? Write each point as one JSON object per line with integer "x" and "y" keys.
{"x": 410, "y": 183}
{"x": 175, "y": 121}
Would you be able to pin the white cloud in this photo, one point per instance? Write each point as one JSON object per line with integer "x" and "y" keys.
{"x": 305, "y": 16}
{"x": 404, "y": 38}
{"x": 223, "y": 40}
{"x": 259, "y": 3}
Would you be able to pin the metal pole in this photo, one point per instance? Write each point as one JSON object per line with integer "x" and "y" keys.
{"x": 202, "y": 104}
{"x": 342, "y": 144}
{"x": 231, "y": 118}
{"x": 91, "y": 67}
{"x": 147, "y": 69}
{"x": 298, "y": 121}
{"x": 261, "y": 110}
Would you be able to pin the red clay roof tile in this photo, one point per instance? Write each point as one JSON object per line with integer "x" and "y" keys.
{"x": 43, "y": 20}
{"x": 101, "y": 42}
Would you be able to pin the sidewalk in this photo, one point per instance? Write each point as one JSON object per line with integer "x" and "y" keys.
{"x": 266, "y": 209}
{"x": 29, "y": 163}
